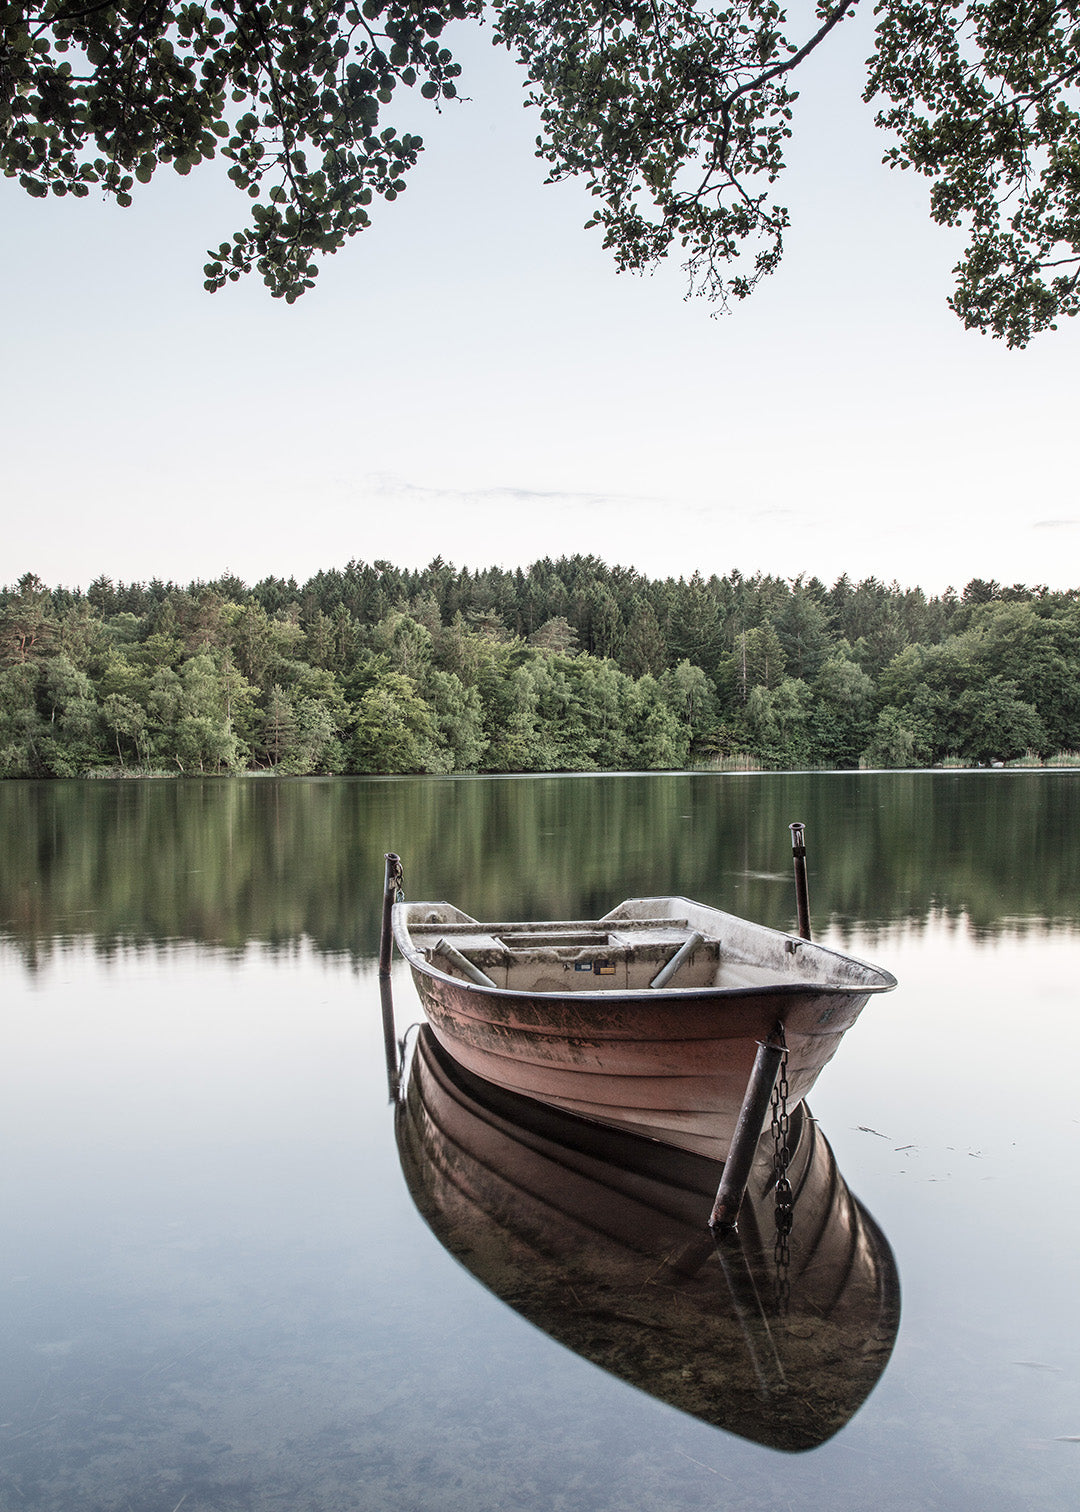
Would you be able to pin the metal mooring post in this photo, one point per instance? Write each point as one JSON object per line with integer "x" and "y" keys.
{"x": 737, "y": 1166}
{"x": 391, "y": 888}
{"x": 390, "y": 1044}
{"x": 798, "y": 853}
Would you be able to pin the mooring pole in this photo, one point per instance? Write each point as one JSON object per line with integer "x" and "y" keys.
{"x": 391, "y": 887}
{"x": 751, "y": 1121}
{"x": 752, "y": 1320}
{"x": 798, "y": 853}
{"x": 393, "y": 1058}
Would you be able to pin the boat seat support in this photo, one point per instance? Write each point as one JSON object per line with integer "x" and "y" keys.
{"x": 464, "y": 965}
{"x": 684, "y": 952}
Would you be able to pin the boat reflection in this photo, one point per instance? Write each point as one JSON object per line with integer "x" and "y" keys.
{"x": 599, "y": 1238}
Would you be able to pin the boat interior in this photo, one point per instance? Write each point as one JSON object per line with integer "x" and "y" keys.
{"x": 585, "y": 955}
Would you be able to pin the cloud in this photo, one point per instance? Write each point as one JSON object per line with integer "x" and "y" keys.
{"x": 774, "y": 512}
{"x": 388, "y": 485}
{"x": 1055, "y": 524}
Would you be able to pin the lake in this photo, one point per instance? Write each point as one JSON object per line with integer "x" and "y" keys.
{"x": 218, "y": 1292}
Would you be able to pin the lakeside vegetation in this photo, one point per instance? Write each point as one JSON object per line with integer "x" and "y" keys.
{"x": 568, "y": 665}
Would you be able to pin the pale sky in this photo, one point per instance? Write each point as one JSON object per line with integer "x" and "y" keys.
{"x": 470, "y": 378}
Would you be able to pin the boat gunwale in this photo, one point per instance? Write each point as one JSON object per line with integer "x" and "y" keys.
{"x": 802, "y": 988}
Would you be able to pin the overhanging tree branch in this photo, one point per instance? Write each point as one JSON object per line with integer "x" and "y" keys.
{"x": 674, "y": 113}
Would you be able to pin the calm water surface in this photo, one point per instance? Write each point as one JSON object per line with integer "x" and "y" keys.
{"x": 217, "y": 1292}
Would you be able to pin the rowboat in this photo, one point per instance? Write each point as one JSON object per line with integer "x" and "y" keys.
{"x": 595, "y": 1236}
{"x": 648, "y": 1019}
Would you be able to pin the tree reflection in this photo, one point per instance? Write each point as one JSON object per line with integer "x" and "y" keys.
{"x": 281, "y": 861}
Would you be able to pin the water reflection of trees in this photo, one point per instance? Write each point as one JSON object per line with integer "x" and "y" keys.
{"x": 279, "y": 861}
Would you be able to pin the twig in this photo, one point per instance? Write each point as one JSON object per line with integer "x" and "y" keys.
{"x": 711, "y": 1468}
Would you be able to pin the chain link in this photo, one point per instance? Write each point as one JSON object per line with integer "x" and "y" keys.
{"x": 785, "y": 1205}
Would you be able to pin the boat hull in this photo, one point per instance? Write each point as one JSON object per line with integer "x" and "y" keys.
{"x": 673, "y": 1071}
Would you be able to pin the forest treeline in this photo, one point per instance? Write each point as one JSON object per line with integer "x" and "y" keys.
{"x": 568, "y": 665}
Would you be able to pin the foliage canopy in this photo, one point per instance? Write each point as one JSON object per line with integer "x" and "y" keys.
{"x": 376, "y": 669}
{"x": 675, "y": 114}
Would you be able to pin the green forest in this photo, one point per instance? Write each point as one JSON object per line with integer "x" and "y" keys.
{"x": 567, "y": 665}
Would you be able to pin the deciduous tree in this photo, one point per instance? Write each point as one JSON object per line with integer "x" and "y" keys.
{"x": 675, "y": 114}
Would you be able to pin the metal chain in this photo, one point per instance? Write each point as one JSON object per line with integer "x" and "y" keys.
{"x": 785, "y": 1206}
